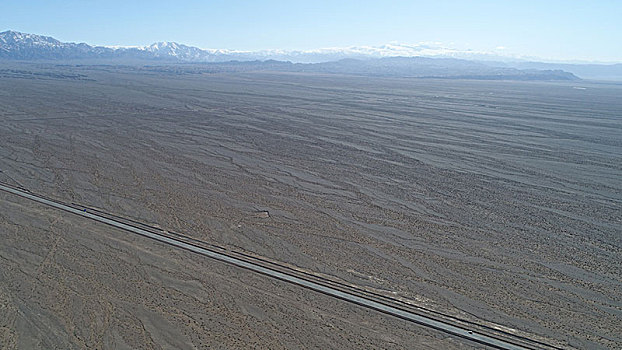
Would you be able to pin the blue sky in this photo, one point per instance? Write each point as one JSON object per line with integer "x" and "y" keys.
{"x": 565, "y": 30}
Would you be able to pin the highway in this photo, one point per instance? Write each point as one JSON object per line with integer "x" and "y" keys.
{"x": 482, "y": 334}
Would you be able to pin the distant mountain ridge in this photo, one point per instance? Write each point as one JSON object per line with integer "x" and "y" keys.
{"x": 448, "y": 68}
{"x": 16, "y": 45}
{"x": 388, "y": 60}
{"x": 23, "y": 46}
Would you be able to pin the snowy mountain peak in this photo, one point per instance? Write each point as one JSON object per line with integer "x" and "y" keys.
{"x": 10, "y": 37}
{"x": 177, "y": 51}
{"x": 23, "y": 46}
{"x": 164, "y": 45}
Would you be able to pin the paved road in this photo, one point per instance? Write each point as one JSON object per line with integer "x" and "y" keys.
{"x": 492, "y": 340}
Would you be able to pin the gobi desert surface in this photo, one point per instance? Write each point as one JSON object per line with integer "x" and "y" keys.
{"x": 500, "y": 202}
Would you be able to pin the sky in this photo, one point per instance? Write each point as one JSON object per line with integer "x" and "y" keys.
{"x": 569, "y": 30}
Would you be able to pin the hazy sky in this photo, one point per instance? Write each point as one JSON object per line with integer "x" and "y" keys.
{"x": 569, "y": 30}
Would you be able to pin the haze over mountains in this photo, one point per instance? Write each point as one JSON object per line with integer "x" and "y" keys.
{"x": 388, "y": 60}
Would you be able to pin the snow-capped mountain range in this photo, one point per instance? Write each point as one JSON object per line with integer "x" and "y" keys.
{"x": 23, "y": 46}
{"x": 28, "y": 47}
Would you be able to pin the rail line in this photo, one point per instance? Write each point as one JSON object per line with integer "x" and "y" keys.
{"x": 466, "y": 329}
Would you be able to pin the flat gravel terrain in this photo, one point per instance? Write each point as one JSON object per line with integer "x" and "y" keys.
{"x": 499, "y": 202}
{"x": 70, "y": 283}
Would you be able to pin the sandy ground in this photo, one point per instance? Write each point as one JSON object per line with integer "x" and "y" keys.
{"x": 496, "y": 201}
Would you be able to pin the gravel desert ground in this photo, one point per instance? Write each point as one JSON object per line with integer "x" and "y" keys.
{"x": 500, "y": 202}
{"x": 74, "y": 284}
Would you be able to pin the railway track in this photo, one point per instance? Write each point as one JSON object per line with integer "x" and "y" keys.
{"x": 483, "y": 334}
